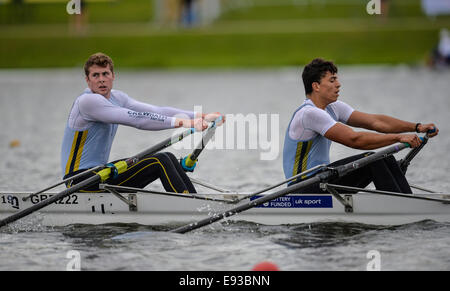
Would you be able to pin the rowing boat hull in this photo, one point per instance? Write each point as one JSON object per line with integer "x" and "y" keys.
{"x": 88, "y": 208}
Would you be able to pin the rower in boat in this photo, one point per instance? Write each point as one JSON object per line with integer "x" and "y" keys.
{"x": 322, "y": 118}
{"x": 93, "y": 122}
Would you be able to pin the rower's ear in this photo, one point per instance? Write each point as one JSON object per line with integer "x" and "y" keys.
{"x": 315, "y": 86}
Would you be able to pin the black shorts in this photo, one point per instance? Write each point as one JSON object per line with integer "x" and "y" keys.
{"x": 385, "y": 174}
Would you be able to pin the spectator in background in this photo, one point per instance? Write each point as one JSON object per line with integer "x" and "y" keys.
{"x": 81, "y": 19}
{"x": 172, "y": 10}
{"x": 185, "y": 13}
{"x": 188, "y": 17}
{"x": 78, "y": 21}
{"x": 385, "y": 4}
{"x": 440, "y": 57}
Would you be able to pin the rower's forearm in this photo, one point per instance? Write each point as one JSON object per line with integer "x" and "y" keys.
{"x": 388, "y": 124}
{"x": 371, "y": 141}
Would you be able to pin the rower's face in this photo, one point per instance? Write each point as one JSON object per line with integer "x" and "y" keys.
{"x": 328, "y": 88}
{"x": 100, "y": 80}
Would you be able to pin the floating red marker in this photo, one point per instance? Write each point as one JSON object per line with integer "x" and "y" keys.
{"x": 265, "y": 266}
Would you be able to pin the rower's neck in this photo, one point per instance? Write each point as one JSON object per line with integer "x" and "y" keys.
{"x": 318, "y": 102}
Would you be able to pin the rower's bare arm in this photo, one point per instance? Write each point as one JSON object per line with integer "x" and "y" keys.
{"x": 387, "y": 124}
{"x": 364, "y": 140}
{"x": 380, "y": 123}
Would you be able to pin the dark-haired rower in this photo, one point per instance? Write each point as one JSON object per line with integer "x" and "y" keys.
{"x": 322, "y": 119}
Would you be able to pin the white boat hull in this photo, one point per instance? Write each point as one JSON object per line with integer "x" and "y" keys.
{"x": 89, "y": 208}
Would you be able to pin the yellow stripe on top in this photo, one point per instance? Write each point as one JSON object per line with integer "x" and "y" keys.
{"x": 305, "y": 158}
{"x": 73, "y": 163}
{"x": 301, "y": 157}
{"x": 72, "y": 149}
{"x": 80, "y": 151}
{"x": 297, "y": 158}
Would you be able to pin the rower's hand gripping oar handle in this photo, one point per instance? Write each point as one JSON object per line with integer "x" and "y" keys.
{"x": 433, "y": 130}
{"x": 190, "y": 161}
{"x": 424, "y": 139}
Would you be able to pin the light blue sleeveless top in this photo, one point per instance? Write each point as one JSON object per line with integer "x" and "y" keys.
{"x": 301, "y": 155}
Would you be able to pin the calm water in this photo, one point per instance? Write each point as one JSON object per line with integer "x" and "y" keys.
{"x": 33, "y": 109}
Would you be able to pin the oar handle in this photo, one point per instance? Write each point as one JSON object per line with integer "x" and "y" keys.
{"x": 218, "y": 119}
{"x": 426, "y": 136}
{"x": 430, "y": 131}
{"x": 188, "y": 163}
{"x": 164, "y": 144}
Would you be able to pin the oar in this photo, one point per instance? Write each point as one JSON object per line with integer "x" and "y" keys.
{"x": 322, "y": 177}
{"x": 190, "y": 161}
{"x": 101, "y": 176}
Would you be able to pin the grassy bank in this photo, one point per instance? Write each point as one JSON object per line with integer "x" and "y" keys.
{"x": 191, "y": 50}
{"x": 274, "y": 34}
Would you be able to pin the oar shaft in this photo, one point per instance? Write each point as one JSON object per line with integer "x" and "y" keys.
{"x": 350, "y": 167}
{"x": 404, "y": 163}
{"x": 164, "y": 144}
{"x": 190, "y": 161}
{"x": 205, "y": 139}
